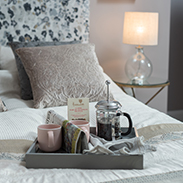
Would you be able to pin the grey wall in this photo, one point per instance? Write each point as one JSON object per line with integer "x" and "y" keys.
{"x": 106, "y": 29}
{"x": 175, "y": 92}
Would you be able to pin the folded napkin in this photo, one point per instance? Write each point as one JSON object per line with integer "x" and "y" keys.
{"x": 74, "y": 139}
{"x": 132, "y": 146}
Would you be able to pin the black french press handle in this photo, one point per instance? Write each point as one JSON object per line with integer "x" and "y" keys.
{"x": 130, "y": 123}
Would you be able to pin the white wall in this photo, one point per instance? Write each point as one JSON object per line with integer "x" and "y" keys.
{"x": 106, "y": 28}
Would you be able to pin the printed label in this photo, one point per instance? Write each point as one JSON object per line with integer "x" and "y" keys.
{"x": 78, "y": 109}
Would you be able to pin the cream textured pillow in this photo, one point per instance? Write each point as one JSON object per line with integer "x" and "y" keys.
{"x": 25, "y": 86}
{"x": 60, "y": 72}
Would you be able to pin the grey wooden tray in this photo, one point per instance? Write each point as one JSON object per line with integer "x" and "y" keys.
{"x": 38, "y": 159}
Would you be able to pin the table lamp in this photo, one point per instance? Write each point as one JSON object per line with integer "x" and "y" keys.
{"x": 140, "y": 28}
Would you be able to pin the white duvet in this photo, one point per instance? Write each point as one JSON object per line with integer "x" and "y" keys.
{"x": 21, "y": 122}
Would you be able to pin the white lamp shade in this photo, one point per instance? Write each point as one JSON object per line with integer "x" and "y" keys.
{"x": 140, "y": 28}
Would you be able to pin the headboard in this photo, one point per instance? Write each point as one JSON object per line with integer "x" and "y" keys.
{"x": 44, "y": 20}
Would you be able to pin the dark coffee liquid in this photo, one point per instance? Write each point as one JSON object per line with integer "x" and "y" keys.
{"x": 105, "y": 130}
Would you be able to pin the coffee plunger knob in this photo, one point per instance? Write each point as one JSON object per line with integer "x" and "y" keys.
{"x": 107, "y": 82}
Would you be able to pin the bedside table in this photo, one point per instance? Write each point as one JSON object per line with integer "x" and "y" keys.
{"x": 152, "y": 82}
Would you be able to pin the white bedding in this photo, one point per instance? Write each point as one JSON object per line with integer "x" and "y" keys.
{"x": 21, "y": 122}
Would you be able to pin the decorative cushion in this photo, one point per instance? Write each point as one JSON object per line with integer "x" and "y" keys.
{"x": 26, "y": 90}
{"x": 60, "y": 72}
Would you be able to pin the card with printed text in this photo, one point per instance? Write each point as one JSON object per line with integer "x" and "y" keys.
{"x": 78, "y": 109}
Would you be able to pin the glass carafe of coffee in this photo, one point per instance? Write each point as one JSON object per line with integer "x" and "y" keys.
{"x": 108, "y": 115}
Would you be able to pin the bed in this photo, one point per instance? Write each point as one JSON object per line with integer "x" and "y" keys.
{"x": 22, "y": 114}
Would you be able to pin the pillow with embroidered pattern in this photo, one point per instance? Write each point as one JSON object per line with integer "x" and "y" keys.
{"x": 26, "y": 90}
{"x": 60, "y": 72}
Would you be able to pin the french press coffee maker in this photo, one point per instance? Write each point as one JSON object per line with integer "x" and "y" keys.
{"x": 108, "y": 115}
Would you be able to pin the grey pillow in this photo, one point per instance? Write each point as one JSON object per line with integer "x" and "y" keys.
{"x": 25, "y": 86}
{"x": 60, "y": 72}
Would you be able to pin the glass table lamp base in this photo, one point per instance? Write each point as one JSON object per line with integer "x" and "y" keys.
{"x": 138, "y": 67}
